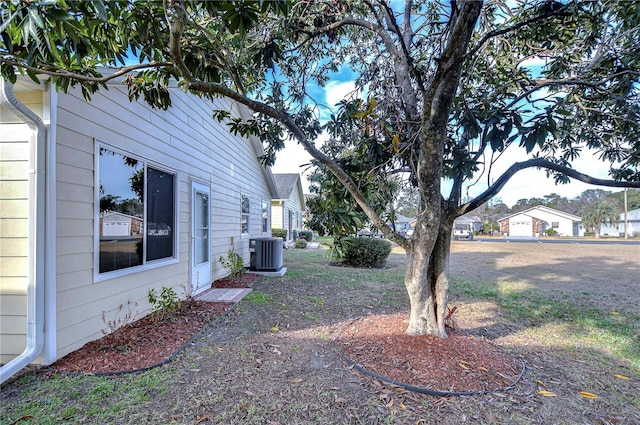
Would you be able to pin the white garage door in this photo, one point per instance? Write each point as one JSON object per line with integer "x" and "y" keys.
{"x": 520, "y": 228}
{"x": 115, "y": 228}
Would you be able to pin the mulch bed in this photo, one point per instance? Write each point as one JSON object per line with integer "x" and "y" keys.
{"x": 460, "y": 363}
{"x": 146, "y": 343}
{"x": 243, "y": 281}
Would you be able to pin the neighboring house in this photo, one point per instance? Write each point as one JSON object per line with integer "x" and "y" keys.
{"x": 476, "y": 224}
{"x": 114, "y": 224}
{"x": 200, "y": 189}
{"x": 402, "y": 225}
{"x": 633, "y": 220}
{"x": 287, "y": 209}
{"x": 465, "y": 226}
{"x": 535, "y": 221}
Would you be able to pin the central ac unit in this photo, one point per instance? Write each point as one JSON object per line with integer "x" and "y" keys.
{"x": 266, "y": 254}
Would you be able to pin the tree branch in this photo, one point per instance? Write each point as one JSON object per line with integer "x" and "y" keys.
{"x": 61, "y": 73}
{"x": 405, "y": 39}
{"x": 513, "y": 27}
{"x": 538, "y": 163}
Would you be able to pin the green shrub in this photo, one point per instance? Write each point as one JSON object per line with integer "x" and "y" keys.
{"x": 306, "y": 234}
{"x": 551, "y": 232}
{"x": 364, "y": 252}
{"x": 233, "y": 262}
{"x": 279, "y": 233}
{"x": 164, "y": 304}
{"x": 301, "y": 244}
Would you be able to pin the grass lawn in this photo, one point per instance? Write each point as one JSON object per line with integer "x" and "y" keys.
{"x": 570, "y": 311}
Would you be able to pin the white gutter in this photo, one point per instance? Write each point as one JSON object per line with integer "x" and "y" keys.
{"x": 35, "y": 286}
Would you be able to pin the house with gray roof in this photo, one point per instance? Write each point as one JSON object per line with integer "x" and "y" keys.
{"x": 288, "y": 208}
{"x": 617, "y": 229}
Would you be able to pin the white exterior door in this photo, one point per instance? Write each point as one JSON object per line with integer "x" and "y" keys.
{"x": 200, "y": 238}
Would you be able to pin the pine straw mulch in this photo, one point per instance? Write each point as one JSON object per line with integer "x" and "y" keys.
{"x": 378, "y": 343}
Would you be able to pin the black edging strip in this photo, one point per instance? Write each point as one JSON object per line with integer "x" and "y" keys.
{"x": 421, "y": 390}
{"x": 162, "y": 363}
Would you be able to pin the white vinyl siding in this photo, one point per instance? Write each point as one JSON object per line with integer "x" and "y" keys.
{"x": 184, "y": 138}
{"x": 14, "y": 238}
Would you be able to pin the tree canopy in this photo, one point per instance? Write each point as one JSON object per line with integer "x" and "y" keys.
{"x": 445, "y": 89}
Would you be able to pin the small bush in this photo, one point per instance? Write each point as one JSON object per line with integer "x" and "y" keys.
{"x": 306, "y": 234}
{"x": 279, "y": 233}
{"x": 551, "y": 232}
{"x": 301, "y": 244}
{"x": 164, "y": 304}
{"x": 364, "y": 252}
{"x": 233, "y": 262}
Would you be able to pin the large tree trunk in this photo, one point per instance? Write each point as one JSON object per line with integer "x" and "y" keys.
{"x": 427, "y": 281}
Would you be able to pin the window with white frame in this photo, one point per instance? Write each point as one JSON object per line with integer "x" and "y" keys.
{"x": 245, "y": 215}
{"x": 555, "y": 224}
{"x": 265, "y": 216}
{"x": 137, "y": 217}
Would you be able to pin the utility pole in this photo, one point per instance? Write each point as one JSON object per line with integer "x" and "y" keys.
{"x": 626, "y": 222}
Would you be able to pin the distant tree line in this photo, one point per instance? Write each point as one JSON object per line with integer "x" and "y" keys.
{"x": 584, "y": 205}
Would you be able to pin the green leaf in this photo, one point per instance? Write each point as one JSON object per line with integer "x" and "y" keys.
{"x": 59, "y": 15}
{"x": 35, "y": 18}
{"x": 496, "y": 140}
{"x": 101, "y": 10}
{"x": 33, "y": 76}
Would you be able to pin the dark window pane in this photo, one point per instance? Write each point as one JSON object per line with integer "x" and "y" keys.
{"x": 160, "y": 214}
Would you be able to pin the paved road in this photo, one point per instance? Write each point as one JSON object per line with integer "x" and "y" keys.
{"x": 564, "y": 241}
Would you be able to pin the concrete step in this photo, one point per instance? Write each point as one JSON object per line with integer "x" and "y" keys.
{"x": 227, "y": 295}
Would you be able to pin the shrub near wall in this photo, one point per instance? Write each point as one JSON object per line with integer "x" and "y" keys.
{"x": 365, "y": 252}
{"x": 279, "y": 233}
{"x": 306, "y": 234}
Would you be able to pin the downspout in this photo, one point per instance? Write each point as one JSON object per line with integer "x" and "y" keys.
{"x": 35, "y": 286}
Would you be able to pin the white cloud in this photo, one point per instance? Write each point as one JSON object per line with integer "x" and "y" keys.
{"x": 293, "y": 158}
{"x": 337, "y": 91}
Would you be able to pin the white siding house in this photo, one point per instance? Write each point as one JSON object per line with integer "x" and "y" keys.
{"x": 288, "y": 207}
{"x": 535, "y": 221}
{"x": 617, "y": 229}
{"x": 192, "y": 191}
